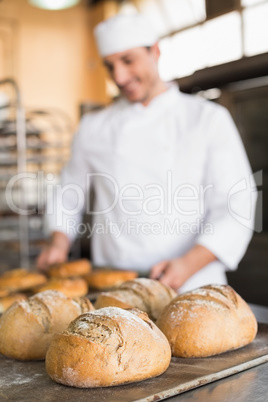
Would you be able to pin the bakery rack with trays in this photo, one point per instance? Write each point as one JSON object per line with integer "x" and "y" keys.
{"x": 35, "y": 142}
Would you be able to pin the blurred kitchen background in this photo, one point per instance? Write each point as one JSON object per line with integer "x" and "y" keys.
{"x": 50, "y": 74}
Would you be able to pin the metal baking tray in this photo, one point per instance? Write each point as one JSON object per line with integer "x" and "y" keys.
{"x": 28, "y": 381}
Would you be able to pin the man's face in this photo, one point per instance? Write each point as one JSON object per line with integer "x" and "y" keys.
{"x": 134, "y": 71}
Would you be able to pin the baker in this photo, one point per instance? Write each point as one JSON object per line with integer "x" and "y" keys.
{"x": 173, "y": 190}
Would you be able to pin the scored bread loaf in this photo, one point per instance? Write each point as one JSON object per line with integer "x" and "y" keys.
{"x": 207, "y": 321}
{"x": 7, "y": 301}
{"x": 20, "y": 279}
{"x": 148, "y": 295}
{"x": 102, "y": 279}
{"x": 107, "y": 347}
{"x": 72, "y": 287}
{"x": 27, "y": 327}
{"x": 70, "y": 269}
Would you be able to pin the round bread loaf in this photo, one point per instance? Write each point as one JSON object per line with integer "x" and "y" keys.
{"x": 103, "y": 279}
{"x": 21, "y": 279}
{"x": 27, "y": 327}
{"x": 7, "y": 301}
{"x": 108, "y": 347}
{"x": 148, "y": 295}
{"x": 73, "y": 287}
{"x": 70, "y": 269}
{"x": 4, "y": 292}
{"x": 207, "y": 321}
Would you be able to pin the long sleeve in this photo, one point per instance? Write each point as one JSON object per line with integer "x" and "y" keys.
{"x": 231, "y": 200}
{"x": 66, "y": 205}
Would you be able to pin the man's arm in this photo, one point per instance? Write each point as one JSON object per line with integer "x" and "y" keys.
{"x": 55, "y": 252}
{"x": 65, "y": 206}
{"x": 176, "y": 272}
{"x": 230, "y": 206}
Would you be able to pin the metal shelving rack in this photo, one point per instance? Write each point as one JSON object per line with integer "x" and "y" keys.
{"x": 32, "y": 141}
{"x": 20, "y": 128}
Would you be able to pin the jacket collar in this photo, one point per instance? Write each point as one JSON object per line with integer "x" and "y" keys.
{"x": 161, "y": 101}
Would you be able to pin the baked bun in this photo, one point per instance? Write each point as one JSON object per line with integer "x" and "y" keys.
{"x": 207, "y": 321}
{"x": 27, "y": 327}
{"x": 20, "y": 279}
{"x": 7, "y": 301}
{"x": 102, "y": 279}
{"x": 4, "y": 292}
{"x": 70, "y": 269}
{"x": 75, "y": 287}
{"x": 108, "y": 347}
{"x": 148, "y": 295}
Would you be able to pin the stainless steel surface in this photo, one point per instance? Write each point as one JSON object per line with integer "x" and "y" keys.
{"x": 261, "y": 313}
{"x": 250, "y": 385}
{"x": 26, "y": 381}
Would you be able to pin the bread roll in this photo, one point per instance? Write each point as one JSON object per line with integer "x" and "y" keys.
{"x": 26, "y": 328}
{"x": 108, "y": 347}
{"x": 207, "y": 321}
{"x": 7, "y": 301}
{"x": 4, "y": 292}
{"x": 102, "y": 279}
{"x": 145, "y": 294}
{"x": 70, "y": 269}
{"x": 75, "y": 287}
{"x": 21, "y": 279}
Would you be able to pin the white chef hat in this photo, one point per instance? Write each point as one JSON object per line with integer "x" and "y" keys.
{"x": 124, "y": 32}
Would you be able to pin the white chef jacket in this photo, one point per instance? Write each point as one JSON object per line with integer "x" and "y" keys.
{"x": 165, "y": 177}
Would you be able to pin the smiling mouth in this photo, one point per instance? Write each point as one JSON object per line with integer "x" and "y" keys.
{"x": 130, "y": 88}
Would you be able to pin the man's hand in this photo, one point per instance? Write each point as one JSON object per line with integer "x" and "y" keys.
{"x": 172, "y": 272}
{"x": 177, "y": 271}
{"x": 55, "y": 252}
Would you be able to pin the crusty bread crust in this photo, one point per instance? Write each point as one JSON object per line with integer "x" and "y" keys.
{"x": 70, "y": 269}
{"x": 102, "y": 279}
{"x": 123, "y": 298}
{"x": 71, "y": 287}
{"x": 207, "y": 321}
{"x": 7, "y": 301}
{"x": 27, "y": 327}
{"x": 108, "y": 347}
{"x": 20, "y": 279}
{"x": 146, "y": 294}
{"x": 4, "y": 292}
